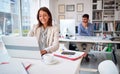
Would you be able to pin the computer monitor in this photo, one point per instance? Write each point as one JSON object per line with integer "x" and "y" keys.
{"x": 76, "y": 29}
{"x": 67, "y": 25}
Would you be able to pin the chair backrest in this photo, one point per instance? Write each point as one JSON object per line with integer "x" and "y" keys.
{"x": 107, "y": 67}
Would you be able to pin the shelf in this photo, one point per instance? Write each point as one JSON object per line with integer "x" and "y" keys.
{"x": 106, "y": 20}
{"x": 94, "y": 3}
{"x": 107, "y": 31}
{"x": 109, "y": 5}
{"x": 117, "y": 31}
{"x": 109, "y": 9}
{"x": 97, "y": 20}
{"x": 98, "y": 10}
{"x": 117, "y": 20}
{"x": 97, "y": 31}
{"x": 110, "y": 15}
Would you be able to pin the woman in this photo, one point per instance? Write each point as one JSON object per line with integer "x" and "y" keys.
{"x": 45, "y": 32}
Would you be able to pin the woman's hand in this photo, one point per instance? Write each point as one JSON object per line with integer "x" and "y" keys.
{"x": 43, "y": 52}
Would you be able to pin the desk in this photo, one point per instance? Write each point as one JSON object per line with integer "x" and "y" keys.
{"x": 90, "y": 39}
{"x": 86, "y": 39}
{"x": 64, "y": 66}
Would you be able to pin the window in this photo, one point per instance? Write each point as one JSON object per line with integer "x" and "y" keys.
{"x": 25, "y": 6}
{"x": 15, "y": 16}
{"x": 9, "y": 17}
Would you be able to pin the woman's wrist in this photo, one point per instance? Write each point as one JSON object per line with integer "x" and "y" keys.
{"x": 43, "y": 52}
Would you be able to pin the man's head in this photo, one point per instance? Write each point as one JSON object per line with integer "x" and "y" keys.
{"x": 85, "y": 18}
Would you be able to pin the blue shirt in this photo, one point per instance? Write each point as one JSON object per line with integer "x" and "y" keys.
{"x": 85, "y": 32}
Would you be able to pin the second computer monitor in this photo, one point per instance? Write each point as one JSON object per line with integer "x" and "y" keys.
{"x": 67, "y": 25}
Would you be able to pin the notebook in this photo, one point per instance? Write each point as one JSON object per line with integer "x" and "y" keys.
{"x": 22, "y": 47}
{"x": 68, "y": 54}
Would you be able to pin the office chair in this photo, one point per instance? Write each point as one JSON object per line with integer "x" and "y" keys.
{"x": 107, "y": 67}
{"x": 84, "y": 45}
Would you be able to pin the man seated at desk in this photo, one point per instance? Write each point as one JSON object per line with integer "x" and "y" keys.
{"x": 85, "y": 29}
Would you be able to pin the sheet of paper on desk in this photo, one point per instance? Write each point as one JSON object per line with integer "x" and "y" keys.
{"x": 67, "y": 55}
{"x": 12, "y": 68}
{"x": 4, "y": 56}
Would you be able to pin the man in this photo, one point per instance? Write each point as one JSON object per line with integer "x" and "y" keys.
{"x": 85, "y": 29}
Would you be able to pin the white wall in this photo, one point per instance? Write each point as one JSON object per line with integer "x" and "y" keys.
{"x": 51, "y": 4}
{"x": 44, "y": 3}
{"x": 87, "y": 8}
{"x": 53, "y": 9}
{"x": 34, "y": 6}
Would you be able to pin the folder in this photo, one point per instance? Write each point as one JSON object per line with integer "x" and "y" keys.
{"x": 68, "y": 54}
{"x": 13, "y": 68}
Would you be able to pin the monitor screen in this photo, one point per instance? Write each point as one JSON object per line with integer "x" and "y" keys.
{"x": 67, "y": 26}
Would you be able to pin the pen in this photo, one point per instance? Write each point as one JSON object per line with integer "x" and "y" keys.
{"x": 5, "y": 63}
{"x": 28, "y": 66}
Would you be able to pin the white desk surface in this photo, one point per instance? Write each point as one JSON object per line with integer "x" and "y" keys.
{"x": 89, "y": 39}
{"x": 64, "y": 66}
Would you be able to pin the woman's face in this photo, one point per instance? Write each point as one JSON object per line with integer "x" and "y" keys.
{"x": 43, "y": 17}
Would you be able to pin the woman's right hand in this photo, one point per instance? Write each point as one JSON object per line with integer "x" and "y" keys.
{"x": 43, "y": 52}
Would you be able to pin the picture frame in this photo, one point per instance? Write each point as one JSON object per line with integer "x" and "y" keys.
{"x": 70, "y": 7}
{"x": 80, "y": 7}
{"x": 61, "y": 8}
{"x": 61, "y": 17}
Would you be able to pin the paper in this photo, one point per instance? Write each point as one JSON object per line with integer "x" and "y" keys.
{"x": 12, "y": 68}
{"x": 4, "y": 57}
